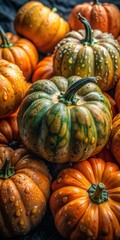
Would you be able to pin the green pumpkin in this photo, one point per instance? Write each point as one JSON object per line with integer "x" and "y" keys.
{"x": 88, "y": 53}
{"x": 65, "y": 119}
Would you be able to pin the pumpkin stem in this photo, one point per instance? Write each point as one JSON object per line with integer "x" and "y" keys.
{"x": 98, "y": 193}
{"x": 88, "y": 31}
{"x": 6, "y": 171}
{"x": 5, "y": 43}
{"x": 54, "y": 9}
{"x": 96, "y": 2}
{"x": 68, "y": 96}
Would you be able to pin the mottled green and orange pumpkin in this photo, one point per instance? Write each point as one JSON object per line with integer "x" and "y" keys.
{"x": 24, "y": 191}
{"x": 88, "y": 53}
{"x": 65, "y": 119}
{"x": 85, "y": 202}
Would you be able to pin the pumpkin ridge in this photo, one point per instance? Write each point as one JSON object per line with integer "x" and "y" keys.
{"x": 9, "y": 225}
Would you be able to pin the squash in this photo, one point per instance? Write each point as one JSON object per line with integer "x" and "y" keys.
{"x": 9, "y": 132}
{"x": 85, "y": 202}
{"x": 117, "y": 95}
{"x": 20, "y": 51}
{"x": 40, "y": 24}
{"x": 113, "y": 104}
{"x": 65, "y": 119}
{"x": 88, "y": 53}
{"x": 115, "y": 138}
{"x": 44, "y": 69}
{"x": 24, "y": 191}
{"x": 103, "y": 16}
{"x": 12, "y": 88}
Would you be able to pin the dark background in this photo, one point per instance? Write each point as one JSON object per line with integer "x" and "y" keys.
{"x": 8, "y": 9}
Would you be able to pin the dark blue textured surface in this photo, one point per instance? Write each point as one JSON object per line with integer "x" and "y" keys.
{"x": 8, "y": 8}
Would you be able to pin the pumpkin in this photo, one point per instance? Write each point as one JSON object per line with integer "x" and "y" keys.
{"x": 102, "y": 16}
{"x": 20, "y": 51}
{"x": 115, "y": 138}
{"x": 12, "y": 88}
{"x": 24, "y": 191}
{"x": 9, "y": 132}
{"x": 106, "y": 154}
{"x": 88, "y": 53}
{"x": 113, "y": 104}
{"x": 44, "y": 69}
{"x": 118, "y": 39}
{"x": 117, "y": 95}
{"x": 85, "y": 202}
{"x": 42, "y": 25}
{"x": 65, "y": 119}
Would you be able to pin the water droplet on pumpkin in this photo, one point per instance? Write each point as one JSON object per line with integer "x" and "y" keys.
{"x": 12, "y": 198}
{"x": 27, "y": 190}
{"x": 34, "y": 209}
{"x": 65, "y": 199}
{"x": 17, "y": 213}
{"x": 59, "y": 180}
{"x": 21, "y": 222}
{"x": 16, "y": 203}
{"x": 5, "y": 96}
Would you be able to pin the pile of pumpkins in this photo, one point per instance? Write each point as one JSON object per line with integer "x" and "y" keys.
{"x": 63, "y": 107}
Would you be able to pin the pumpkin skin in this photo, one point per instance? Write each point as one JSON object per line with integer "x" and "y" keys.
{"x": 77, "y": 212}
{"x": 102, "y": 16}
{"x": 9, "y": 132}
{"x": 44, "y": 69}
{"x": 19, "y": 51}
{"x": 12, "y": 88}
{"x": 88, "y": 53}
{"x": 115, "y": 138}
{"x": 41, "y": 25}
{"x": 117, "y": 95}
{"x": 61, "y": 126}
{"x": 113, "y": 104}
{"x": 24, "y": 194}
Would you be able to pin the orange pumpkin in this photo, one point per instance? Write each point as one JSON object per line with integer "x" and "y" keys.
{"x": 24, "y": 191}
{"x": 44, "y": 69}
{"x": 113, "y": 104}
{"x": 117, "y": 95}
{"x": 12, "y": 88}
{"x": 102, "y": 16}
{"x": 85, "y": 202}
{"x": 9, "y": 132}
{"x": 20, "y": 51}
{"x": 44, "y": 27}
{"x": 115, "y": 138}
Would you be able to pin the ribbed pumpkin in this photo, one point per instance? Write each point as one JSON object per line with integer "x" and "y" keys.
{"x": 9, "y": 132}
{"x": 12, "y": 88}
{"x": 85, "y": 202}
{"x": 20, "y": 51}
{"x": 65, "y": 119}
{"x": 88, "y": 53}
{"x": 113, "y": 104}
{"x": 43, "y": 26}
{"x": 24, "y": 191}
{"x": 44, "y": 69}
{"x": 115, "y": 138}
{"x": 103, "y": 16}
{"x": 117, "y": 95}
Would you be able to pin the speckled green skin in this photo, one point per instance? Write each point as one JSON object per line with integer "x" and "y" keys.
{"x": 61, "y": 132}
{"x": 79, "y": 54}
